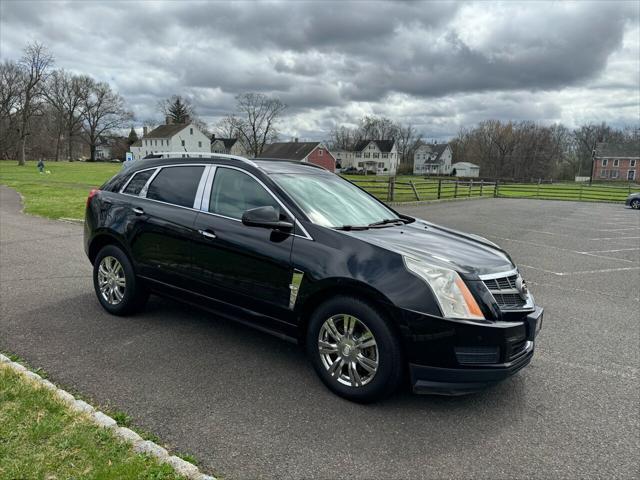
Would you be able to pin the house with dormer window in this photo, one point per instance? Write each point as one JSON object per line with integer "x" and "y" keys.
{"x": 379, "y": 157}
{"x": 432, "y": 159}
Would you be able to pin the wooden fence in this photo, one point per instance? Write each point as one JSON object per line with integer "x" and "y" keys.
{"x": 404, "y": 190}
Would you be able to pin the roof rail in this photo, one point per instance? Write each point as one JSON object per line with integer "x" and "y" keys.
{"x": 200, "y": 155}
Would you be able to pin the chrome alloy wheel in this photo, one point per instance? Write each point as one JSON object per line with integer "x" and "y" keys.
{"x": 348, "y": 350}
{"x": 111, "y": 280}
{"x": 635, "y": 204}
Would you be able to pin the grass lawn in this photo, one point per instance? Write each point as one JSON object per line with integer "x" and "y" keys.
{"x": 61, "y": 193}
{"x": 40, "y": 437}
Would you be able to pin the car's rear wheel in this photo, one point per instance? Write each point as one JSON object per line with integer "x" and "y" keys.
{"x": 635, "y": 204}
{"x": 115, "y": 282}
{"x": 354, "y": 349}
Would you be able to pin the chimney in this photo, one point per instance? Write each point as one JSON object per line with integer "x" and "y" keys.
{"x": 168, "y": 120}
{"x": 213, "y": 137}
{"x": 144, "y": 131}
{"x": 295, "y": 140}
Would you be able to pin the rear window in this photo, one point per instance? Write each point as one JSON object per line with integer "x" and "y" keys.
{"x": 176, "y": 185}
{"x": 138, "y": 181}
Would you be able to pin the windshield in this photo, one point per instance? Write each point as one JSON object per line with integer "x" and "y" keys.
{"x": 331, "y": 201}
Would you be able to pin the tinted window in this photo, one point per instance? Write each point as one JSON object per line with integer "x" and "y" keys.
{"x": 234, "y": 192}
{"x": 138, "y": 181}
{"x": 176, "y": 185}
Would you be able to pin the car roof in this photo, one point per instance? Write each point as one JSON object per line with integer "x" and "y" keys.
{"x": 266, "y": 165}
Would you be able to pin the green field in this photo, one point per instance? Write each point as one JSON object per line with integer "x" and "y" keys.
{"x": 40, "y": 437}
{"x": 60, "y": 193}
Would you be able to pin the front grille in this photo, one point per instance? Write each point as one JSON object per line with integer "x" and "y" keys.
{"x": 477, "y": 355}
{"x": 505, "y": 292}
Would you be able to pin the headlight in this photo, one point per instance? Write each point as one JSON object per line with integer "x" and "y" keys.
{"x": 455, "y": 299}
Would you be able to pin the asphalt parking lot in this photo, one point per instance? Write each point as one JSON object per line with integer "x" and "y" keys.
{"x": 248, "y": 405}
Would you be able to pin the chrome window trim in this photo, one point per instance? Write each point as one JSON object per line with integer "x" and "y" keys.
{"x": 124, "y": 187}
{"x": 261, "y": 183}
{"x": 197, "y": 201}
{"x": 143, "y": 192}
{"x": 206, "y": 196}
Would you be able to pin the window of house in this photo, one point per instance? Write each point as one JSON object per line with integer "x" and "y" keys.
{"x": 385, "y": 155}
{"x": 604, "y": 162}
{"x": 361, "y": 164}
{"x": 191, "y": 131}
{"x": 359, "y": 155}
{"x": 376, "y": 155}
{"x": 380, "y": 165}
{"x": 614, "y": 173}
{"x": 367, "y": 155}
{"x": 182, "y": 142}
{"x": 632, "y": 163}
{"x": 631, "y": 175}
{"x": 604, "y": 173}
{"x": 200, "y": 144}
{"x": 320, "y": 152}
{"x": 176, "y": 185}
{"x": 616, "y": 162}
{"x": 234, "y": 192}
{"x": 139, "y": 180}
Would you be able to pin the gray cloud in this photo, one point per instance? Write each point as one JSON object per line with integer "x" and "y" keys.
{"x": 438, "y": 65}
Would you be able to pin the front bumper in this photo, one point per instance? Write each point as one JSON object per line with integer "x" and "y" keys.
{"x": 451, "y": 373}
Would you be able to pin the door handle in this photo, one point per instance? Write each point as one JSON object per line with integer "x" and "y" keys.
{"x": 207, "y": 234}
{"x": 138, "y": 211}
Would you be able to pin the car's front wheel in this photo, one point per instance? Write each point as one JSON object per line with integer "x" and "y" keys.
{"x": 354, "y": 349}
{"x": 115, "y": 282}
{"x": 635, "y": 204}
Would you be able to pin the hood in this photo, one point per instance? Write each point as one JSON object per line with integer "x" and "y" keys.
{"x": 465, "y": 253}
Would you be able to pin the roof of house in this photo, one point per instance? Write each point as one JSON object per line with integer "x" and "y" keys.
{"x": 166, "y": 131}
{"x": 289, "y": 150}
{"x": 228, "y": 142}
{"x": 137, "y": 143}
{"x": 437, "y": 148}
{"x": 465, "y": 165}
{"x": 384, "y": 145}
{"x": 618, "y": 149}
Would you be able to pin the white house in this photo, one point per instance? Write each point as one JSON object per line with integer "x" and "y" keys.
{"x": 465, "y": 169}
{"x": 376, "y": 156}
{"x": 344, "y": 159}
{"x": 229, "y": 146}
{"x": 434, "y": 159}
{"x": 172, "y": 137}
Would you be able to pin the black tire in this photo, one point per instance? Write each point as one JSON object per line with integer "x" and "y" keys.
{"x": 390, "y": 362}
{"x": 635, "y": 204}
{"x": 135, "y": 294}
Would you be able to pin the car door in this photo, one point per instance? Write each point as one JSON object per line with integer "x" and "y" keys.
{"x": 166, "y": 211}
{"x": 245, "y": 266}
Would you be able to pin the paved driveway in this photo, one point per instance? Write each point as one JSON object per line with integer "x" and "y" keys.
{"x": 248, "y": 405}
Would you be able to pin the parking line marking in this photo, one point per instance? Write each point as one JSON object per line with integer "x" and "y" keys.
{"x": 611, "y": 251}
{"x": 563, "y": 274}
{"x": 581, "y": 290}
{"x": 614, "y": 238}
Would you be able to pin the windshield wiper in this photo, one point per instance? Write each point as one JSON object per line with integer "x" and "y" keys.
{"x": 351, "y": 227}
{"x": 388, "y": 221}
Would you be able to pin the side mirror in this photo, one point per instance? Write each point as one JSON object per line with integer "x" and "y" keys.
{"x": 266, "y": 217}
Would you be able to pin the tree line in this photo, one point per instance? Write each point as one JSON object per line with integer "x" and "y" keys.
{"x": 50, "y": 112}
{"x": 526, "y": 150}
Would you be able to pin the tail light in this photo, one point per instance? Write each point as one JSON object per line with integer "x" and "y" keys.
{"x": 92, "y": 193}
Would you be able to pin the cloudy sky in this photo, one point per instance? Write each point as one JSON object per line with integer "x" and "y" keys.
{"x": 436, "y": 65}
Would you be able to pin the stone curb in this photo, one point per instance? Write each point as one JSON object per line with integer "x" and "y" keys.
{"x": 181, "y": 467}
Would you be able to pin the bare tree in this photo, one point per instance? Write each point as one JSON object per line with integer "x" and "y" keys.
{"x": 408, "y": 140}
{"x": 256, "y": 120}
{"x": 35, "y": 64}
{"x": 64, "y": 93}
{"x": 11, "y": 80}
{"x": 103, "y": 111}
{"x": 228, "y": 127}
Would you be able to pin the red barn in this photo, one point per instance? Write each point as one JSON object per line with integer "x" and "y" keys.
{"x": 310, "y": 152}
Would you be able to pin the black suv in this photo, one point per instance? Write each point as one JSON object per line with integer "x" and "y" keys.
{"x": 375, "y": 296}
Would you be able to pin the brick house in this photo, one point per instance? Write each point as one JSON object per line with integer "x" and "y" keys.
{"x": 310, "y": 152}
{"x": 617, "y": 161}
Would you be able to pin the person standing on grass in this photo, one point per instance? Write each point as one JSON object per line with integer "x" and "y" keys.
{"x": 41, "y": 166}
